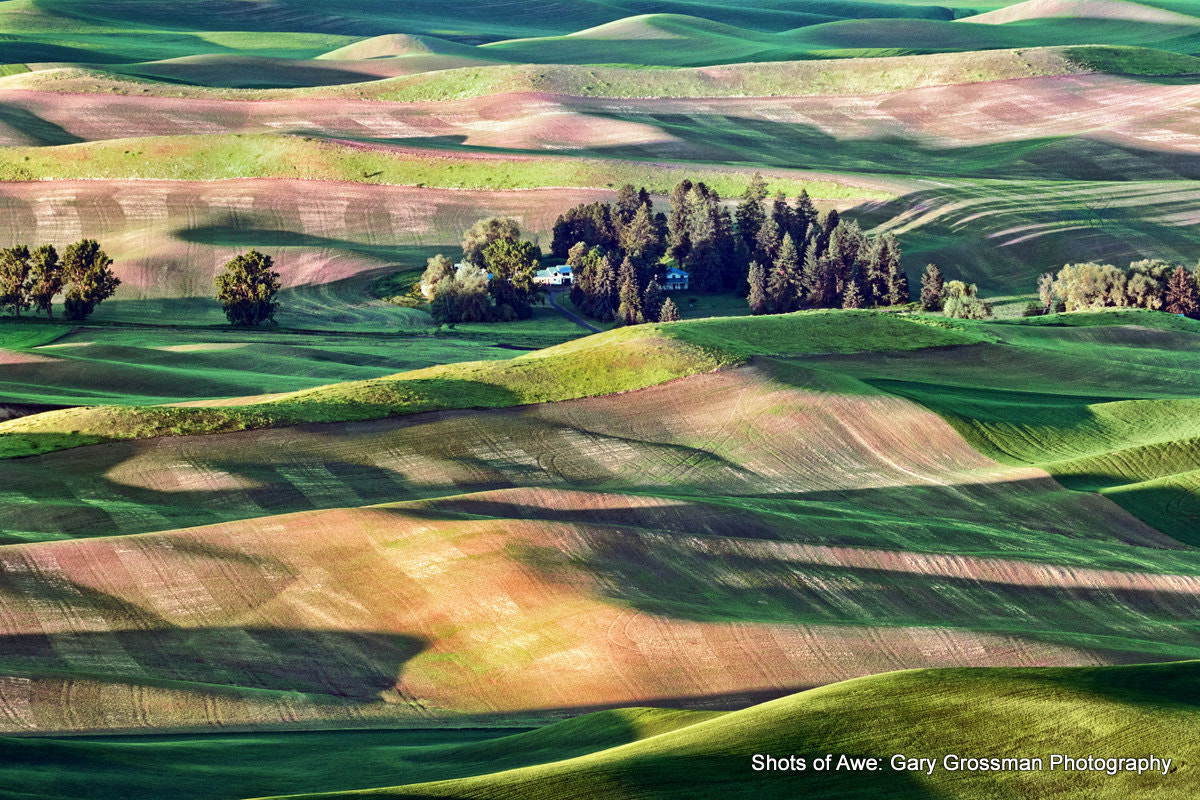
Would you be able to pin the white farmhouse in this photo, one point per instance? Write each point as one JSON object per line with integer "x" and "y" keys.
{"x": 676, "y": 280}
{"x": 561, "y": 275}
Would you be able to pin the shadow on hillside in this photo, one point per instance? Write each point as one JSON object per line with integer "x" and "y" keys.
{"x": 336, "y": 664}
{"x": 240, "y": 234}
{"x": 733, "y": 139}
{"x": 1169, "y": 685}
{"x": 45, "y": 132}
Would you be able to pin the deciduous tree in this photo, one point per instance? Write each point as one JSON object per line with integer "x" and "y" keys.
{"x": 14, "y": 278}
{"x": 88, "y": 277}
{"x": 246, "y": 288}
{"x": 45, "y": 278}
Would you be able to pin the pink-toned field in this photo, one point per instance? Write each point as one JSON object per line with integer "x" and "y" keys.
{"x": 703, "y": 543}
{"x": 1102, "y": 107}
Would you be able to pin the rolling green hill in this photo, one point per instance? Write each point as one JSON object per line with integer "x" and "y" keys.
{"x": 655, "y": 753}
{"x": 972, "y": 714}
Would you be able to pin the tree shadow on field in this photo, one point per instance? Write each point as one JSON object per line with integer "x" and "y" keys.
{"x": 44, "y": 131}
{"x": 338, "y": 664}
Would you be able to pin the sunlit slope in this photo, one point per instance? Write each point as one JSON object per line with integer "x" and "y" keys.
{"x": 672, "y": 754}
{"x": 927, "y": 714}
{"x": 1105, "y": 402}
{"x": 703, "y": 543}
{"x": 615, "y": 361}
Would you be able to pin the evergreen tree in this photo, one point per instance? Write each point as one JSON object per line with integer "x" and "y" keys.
{"x": 766, "y": 245}
{"x": 805, "y": 216}
{"x": 678, "y": 225}
{"x": 750, "y": 212}
{"x": 874, "y": 287}
{"x": 14, "y": 278}
{"x": 729, "y": 248}
{"x": 629, "y": 312}
{"x": 783, "y": 283}
{"x": 45, "y": 279}
{"x": 845, "y": 245}
{"x": 932, "y": 287}
{"x": 785, "y": 218}
{"x": 704, "y": 262}
{"x": 897, "y": 279}
{"x": 246, "y": 288}
{"x": 604, "y": 291}
{"x": 90, "y": 281}
{"x": 758, "y": 289}
{"x": 640, "y": 242}
{"x": 1183, "y": 295}
{"x": 670, "y": 311}
{"x": 810, "y": 274}
{"x": 627, "y": 205}
{"x": 652, "y": 301}
{"x": 852, "y": 297}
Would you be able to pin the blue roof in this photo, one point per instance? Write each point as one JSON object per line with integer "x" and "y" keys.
{"x": 673, "y": 272}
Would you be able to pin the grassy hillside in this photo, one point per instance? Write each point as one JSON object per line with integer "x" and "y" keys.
{"x": 982, "y": 713}
{"x": 616, "y": 361}
{"x": 669, "y": 754}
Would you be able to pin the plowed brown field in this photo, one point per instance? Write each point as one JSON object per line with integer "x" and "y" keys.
{"x": 702, "y": 543}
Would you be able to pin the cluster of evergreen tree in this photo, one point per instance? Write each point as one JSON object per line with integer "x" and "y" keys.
{"x": 801, "y": 260}
{"x": 615, "y": 253}
{"x": 33, "y": 278}
{"x": 467, "y": 294}
{"x": 1149, "y": 283}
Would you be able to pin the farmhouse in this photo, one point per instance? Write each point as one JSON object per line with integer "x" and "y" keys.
{"x": 554, "y": 276}
{"x": 676, "y": 280}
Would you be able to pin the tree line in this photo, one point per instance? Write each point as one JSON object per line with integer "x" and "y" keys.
{"x": 779, "y": 253}
{"x": 34, "y": 278}
{"x": 1149, "y": 283}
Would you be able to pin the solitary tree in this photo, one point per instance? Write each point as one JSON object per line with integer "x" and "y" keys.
{"x": 932, "y": 286}
{"x": 14, "y": 278}
{"x": 669, "y": 312}
{"x": 45, "y": 279}
{"x": 89, "y": 278}
{"x": 247, "y": 287}
{"x": 1183, "y": 297}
